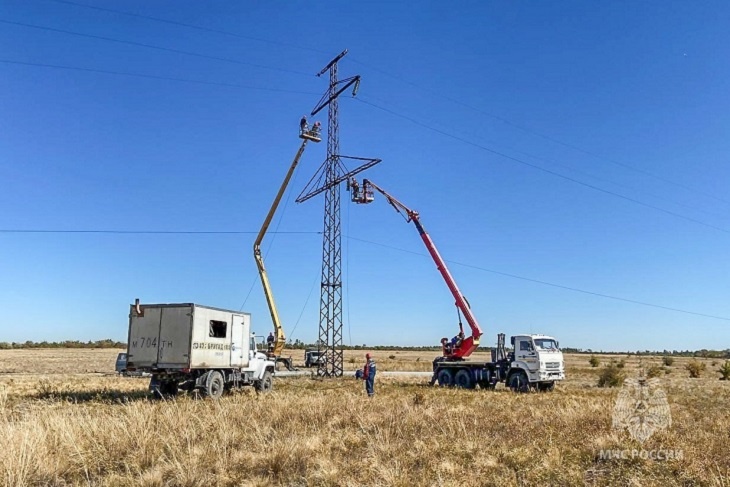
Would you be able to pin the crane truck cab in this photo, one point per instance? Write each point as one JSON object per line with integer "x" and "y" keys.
{"x": 536, "y": 359}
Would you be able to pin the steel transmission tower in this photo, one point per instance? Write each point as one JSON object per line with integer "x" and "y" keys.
{"x": 327, "y": 180}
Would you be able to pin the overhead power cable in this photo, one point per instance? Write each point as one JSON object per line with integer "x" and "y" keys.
{"x": 590, "y": 175}
{"x": 540, "y": 168}
{"x": 543, "y": 136}
{"x": 278, "y": 90}
{"x": 155, "y": 232}
{"x": 551, "y": 284}
{"x": 193, "y": 26}
{"x": 155, "y": 77}
{"x": 151, "y": 46}
{"x": 410, "y": 83}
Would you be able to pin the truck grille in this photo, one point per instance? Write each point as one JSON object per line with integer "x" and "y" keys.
{"x": 552, "y": 365}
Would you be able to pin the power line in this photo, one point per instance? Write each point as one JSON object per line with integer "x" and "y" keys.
{"x": 543, "y": 136}
{"x": 192, "y": 26}
{"x": 546, "y": 283}
{"x": 154, "y": 232}
{"x": 542, "y": 169}
{"x": 155, "y": 77}
{"x": 593, "y": 176}
{"x": 410, "y": 83}
{"x": 235, "y": 85}
{"x": 151, "y": 46}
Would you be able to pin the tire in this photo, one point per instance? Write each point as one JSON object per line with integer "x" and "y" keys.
{"x": 463, "y": 379}
{"x": 518, "y": 382}
{"x": 545, "y": 386}
{"x": 265, "y": 384}
{"x": 445, "y": 378}
{"x": 214, "y": 385}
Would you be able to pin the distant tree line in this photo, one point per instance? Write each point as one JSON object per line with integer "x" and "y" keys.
{"x": 300, "y": 345}
{"x": 704, "y": 353}
{"x": 107, "y": 343}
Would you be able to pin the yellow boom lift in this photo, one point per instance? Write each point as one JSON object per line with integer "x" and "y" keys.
{"x": 306, "y": 134}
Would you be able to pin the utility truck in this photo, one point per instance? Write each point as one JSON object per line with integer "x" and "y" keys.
{"x": 536, "y": 360}
{"x": 191, "y": 347}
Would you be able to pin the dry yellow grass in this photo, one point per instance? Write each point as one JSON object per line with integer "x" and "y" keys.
{"x": 62, "y": 426}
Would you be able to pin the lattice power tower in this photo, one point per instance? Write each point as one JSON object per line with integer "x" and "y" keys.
{"x": 327, "y": 180}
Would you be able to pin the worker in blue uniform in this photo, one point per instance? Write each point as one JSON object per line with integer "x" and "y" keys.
{"x": 369, "y": 375}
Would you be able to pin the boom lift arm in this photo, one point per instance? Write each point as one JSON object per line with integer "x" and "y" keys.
{"x": 306, "y": 135}
{"x": 460, "y": 347}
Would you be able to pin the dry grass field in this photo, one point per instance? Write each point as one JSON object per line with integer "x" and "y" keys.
{"x": 65, "y": 420}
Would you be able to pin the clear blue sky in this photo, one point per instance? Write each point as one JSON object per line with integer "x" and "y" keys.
{"x": 629, "y": 98}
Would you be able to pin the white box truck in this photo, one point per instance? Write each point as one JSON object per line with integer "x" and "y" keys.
{"x": 195, "y": 348}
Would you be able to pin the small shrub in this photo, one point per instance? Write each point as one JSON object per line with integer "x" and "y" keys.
{"x": 695, "y": 368}
{"x": 594, "y": 361}
{"x": 725, "y": 371}
{"x": 653, "y": 371}
{"x": 611, "y": 376}
{"x": 667, "y": 370}
{"x": 391, "y": 357}
{"x": 621, "y": 364}
{"x": 667, "y": 360}
{"x": 714, "y": 363}
{"x": 419, "y": 399}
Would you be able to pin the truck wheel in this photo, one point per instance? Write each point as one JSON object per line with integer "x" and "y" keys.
{"x": 518, "y": 382}
{"x": 545, "y": 386}
{"x": 265, "y": 384}
{"x": 214, "y": 385}
{"x": 463, "y": 379}
{"x": 445, "y": 378}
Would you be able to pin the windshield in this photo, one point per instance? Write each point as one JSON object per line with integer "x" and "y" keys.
{"x": 545, "y": 344}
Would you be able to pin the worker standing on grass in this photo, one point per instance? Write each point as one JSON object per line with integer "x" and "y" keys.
{"x": 368, "y": 373}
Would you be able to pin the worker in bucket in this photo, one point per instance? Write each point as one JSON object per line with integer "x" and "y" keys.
{"x": 270, "y": 341}
{"x": 303, "y": 124}
{"x": 368, "y": 373}
{"x": 316, "y": 129}
{"x": 457, "y": 340}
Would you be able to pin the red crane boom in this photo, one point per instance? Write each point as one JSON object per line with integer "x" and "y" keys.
{"x": 460, "y": 346}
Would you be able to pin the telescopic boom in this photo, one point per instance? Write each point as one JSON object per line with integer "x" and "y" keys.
{"x": 306, "y": 134}
{"x": 460, "y": 346}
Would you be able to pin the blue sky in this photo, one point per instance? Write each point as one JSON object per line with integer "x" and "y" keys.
{"x": 579, "y": 144}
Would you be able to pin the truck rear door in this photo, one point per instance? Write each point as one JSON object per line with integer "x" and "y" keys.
{"x": 144, "y": 335}
{"x": 173, "y": 350}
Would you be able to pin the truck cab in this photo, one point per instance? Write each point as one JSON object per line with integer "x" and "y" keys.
{"x": 257, "y": 361}
{"x": 539, "y": 356}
